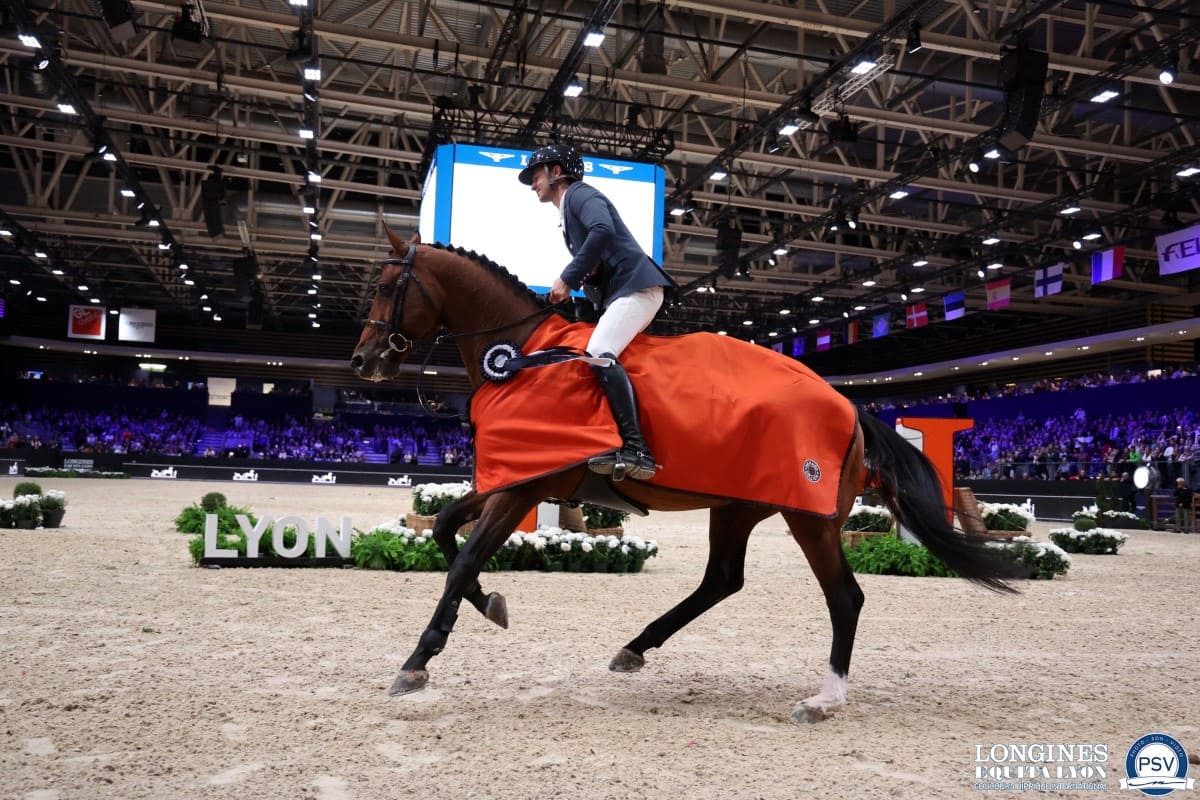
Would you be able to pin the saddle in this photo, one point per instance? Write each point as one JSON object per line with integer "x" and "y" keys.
{"x": 724, "y": 417}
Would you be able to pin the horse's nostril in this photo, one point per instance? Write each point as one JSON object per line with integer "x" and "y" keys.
{"x": 356, "y": 363}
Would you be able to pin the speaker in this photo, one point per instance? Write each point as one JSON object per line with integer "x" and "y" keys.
{"x": 120, "y": 18}
{"x": 729, "y": 246}
{"x": 245, "y": 277}
{"x": 212, "y": 195}
{"x": 1023, "y": 78}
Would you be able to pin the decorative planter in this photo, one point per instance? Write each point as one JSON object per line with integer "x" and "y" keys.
{"x": 27, "y": 524}
{"x": 855, "y": 538}
{"x": 419, "y": 522}
{"x": 1009, "y": 535}
{"x": 52, "y": 518}
{"x": 617, "y": 532}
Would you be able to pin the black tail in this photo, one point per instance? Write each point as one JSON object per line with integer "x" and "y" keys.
{"x": 910, "y": 487}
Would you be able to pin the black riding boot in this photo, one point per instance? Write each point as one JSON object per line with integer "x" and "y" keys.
{"x": 633, "y": 459}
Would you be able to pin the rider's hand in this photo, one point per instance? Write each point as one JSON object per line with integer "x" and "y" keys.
{"x": 559, "y": 291}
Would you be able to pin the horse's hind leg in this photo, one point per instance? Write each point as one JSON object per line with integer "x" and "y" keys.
{"x": 728, "y": 531}
{"x": 821, "y": 541}
{"x": 461, "y": 511}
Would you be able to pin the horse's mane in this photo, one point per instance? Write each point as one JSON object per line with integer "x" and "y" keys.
{"x": 500, "y": 272}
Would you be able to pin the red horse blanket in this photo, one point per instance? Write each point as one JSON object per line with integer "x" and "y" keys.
{"x": 723, "y": 418}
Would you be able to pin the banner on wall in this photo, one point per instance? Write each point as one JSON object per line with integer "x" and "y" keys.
{"x": 1178, "y": 251}
{"x": 220, "y": 391}
{"x": 86, "y": 322}
{"x": 136, "y": 325}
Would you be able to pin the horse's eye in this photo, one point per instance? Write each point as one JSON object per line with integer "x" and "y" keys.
{"x": 386, "y": 289}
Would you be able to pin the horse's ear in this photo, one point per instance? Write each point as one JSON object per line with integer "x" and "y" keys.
{"x": 415, "y": 238}
{"x": 396, "y": 242}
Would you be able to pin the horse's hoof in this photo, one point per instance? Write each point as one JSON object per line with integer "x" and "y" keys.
{"x": 497, "y": 609}
{"x": 809, "y": 714}
{"x": 626, "y": 661}
{"x": 409, "y": 681}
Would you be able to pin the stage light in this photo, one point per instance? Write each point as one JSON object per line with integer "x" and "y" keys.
{"x": 313, "y": 176}
{"x": 312, "y": 72}
{"x": 593, "y": 39}
{"x": 913, "y": 43}
{"x": 992, "y": 153}
{"x": 1104, "y": 95}
{"x": 864, "y": 65}
{"x": 1070, "y": 210}
{"x": 40, "y": 61}
{"x": 1188, "y": 172}
{"x": 899, "y": 194}
{"x": 573, "y": 88}
{"x": 308, "y": 208}
{"x": 718, "y": 174}
{"x": 1090, "y": 236}
{"x": 30, "y": 40}
{"x": 306, "y": 133}
{"x": 991, "y": 239}
{"x": 1170, "y": 69}
{"x": 311, "y": 93}
{"x": 66, "y": 107}
{"x": 40, "y": 254}
{"x": 920, "y": 261}
{"x": 788, "y": 128}
{"x": 918, "y": 289}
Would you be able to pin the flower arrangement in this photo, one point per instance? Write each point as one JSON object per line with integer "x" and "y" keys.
{"x": 874, "y": 519}
{"x": 1005, "y": 517}
{"x": 1097, "y": 517}
{"x": 1091, "y": 541}
{"x": 52, "y": 472}
{"x": 431, "y": 498}
{"x": 26, "y": 511}
{"x": 1044, "y": 558}
{"x": 394, "y": 546}
{"x": 595, "y": 516}
{"x": 6, "y": 516}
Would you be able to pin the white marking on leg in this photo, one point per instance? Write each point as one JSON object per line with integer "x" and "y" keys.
{"x": 832, "y": 697}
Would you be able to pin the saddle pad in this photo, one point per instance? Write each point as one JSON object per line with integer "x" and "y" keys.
{"x": 723, "y": 417}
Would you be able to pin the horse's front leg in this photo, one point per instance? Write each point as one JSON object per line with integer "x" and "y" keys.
{"x": 445, "y": 531}
{"x": 501, "y": 514}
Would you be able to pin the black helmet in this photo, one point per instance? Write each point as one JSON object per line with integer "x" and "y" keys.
{"x": 562, "y": 154}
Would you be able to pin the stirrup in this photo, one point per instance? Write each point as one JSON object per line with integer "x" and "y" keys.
{"x": 624, "y": 463}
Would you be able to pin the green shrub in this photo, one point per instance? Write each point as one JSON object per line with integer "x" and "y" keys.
{"x": 871, "y": 519}
{"x": 891, "y": 555}
{"x": 1084, "y": 523}
{"x": 26, "y": 487}
{"x": 213, "y": 501}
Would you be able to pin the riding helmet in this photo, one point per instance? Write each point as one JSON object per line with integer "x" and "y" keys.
{"x": 562, "y": 154}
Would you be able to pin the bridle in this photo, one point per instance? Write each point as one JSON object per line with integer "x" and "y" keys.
{"x": 398, "y": 289}
{"x": 399, "y": 344}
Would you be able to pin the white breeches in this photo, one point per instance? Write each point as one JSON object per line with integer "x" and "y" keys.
{"x": 624, "y": 319}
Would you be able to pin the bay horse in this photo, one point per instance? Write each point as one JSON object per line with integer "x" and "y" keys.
{"x": 427, "y": 289}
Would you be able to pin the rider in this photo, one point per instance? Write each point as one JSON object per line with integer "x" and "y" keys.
{"x": 617, "y": 275}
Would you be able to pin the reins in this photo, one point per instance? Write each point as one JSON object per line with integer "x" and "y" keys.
{"x": 400, "y": 287}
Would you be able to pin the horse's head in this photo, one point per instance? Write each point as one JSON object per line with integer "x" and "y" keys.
{"x": 406, "y": 309}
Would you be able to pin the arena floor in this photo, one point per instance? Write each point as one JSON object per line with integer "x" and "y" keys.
{"x": 125, "y": 672}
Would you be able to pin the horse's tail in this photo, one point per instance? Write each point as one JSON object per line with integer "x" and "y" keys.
{"x": 910, "y": 488}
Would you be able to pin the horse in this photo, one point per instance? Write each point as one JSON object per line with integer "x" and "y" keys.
{"x": 427, "y": 291}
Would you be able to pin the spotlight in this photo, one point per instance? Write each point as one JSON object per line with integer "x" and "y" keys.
{"x": 305, "y": 133}
{"x": 865, "y": 64}
{"x": 1170, "y": 69}
{"x": 853, "y": 220}
{"x": 1069, "y": 210}
{"x": 788, "y": 128}
{"x": 40, "y": 61}
{"x": 1188, "y": 172}
{"x": 573, "y": 88}
{"x": 992, "y": 153}
{"x": 30, "y": 40}
{"x": 718, "y": 174}
{"x": 312, "y": 72}
{"x": 920, "y": 261}
{"x": 313, "y": 176}
{"x": 913, "y": 43}
{"x": 973, "y": 165}
{"x": 311, "y": 93}
{"x": 593, "y": 39}
{"x": 1104, "y": 95}
{"x": 67, "y": 108}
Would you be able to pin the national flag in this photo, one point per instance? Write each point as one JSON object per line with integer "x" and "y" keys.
{"x": 798, "y": 346}
{"x": 852, "y": 332}
{"x": 881, "y": 325}
{"x": 916, "y": 316}
{"x": 956, "y": 305}
{"x": 999, "y": 293}
{"x": 1048, "y": 281}
{"x": 1108, "y": 264}
{"x": 823, "y": 339}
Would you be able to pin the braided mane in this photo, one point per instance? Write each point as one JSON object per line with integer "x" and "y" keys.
{"x": 491, "y": 266}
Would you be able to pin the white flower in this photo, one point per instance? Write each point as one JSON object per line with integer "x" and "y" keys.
{"x": 996, "y": 508}
{"x": 587, "y": 547}
{"x": 539, "y": 543}
{"x": 422, "y": 539}
{"x": 565, "y": 547}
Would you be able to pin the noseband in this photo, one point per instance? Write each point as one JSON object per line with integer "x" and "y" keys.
{"x": 397, "y": 342}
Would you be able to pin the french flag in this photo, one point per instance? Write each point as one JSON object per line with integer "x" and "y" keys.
{"x": 823, "y": 339}
{"x": 1108, "y": 264}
